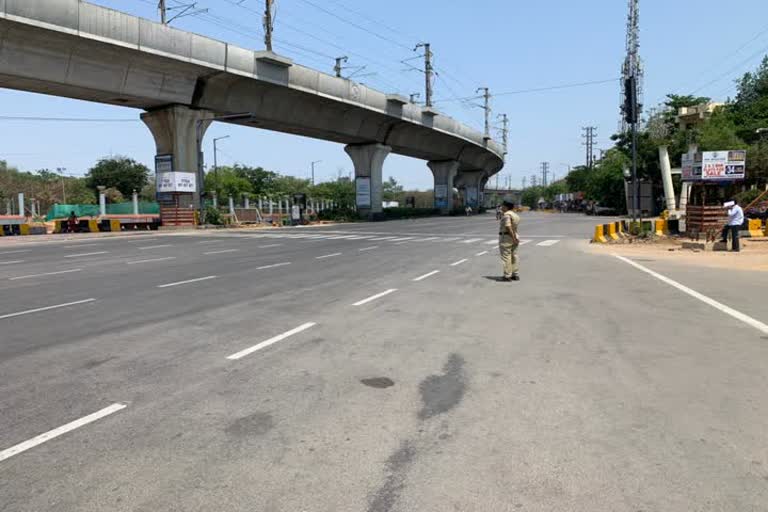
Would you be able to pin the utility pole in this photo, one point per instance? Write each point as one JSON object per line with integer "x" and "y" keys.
{"x": 504, "y": 131}
{"x": 589, "y": 142}
{"x": 428, "y": 72}
{"x": 161, "y": 7}
{"x": 524, "y": 179}
{"x": 313, "y": 171}
{"x": 339, "y": 65}
{"x": 533, "y": 180}
{"x": 268, "y": 24}
{"x": 544, "y": 173}
{"x": 487, "y": 107}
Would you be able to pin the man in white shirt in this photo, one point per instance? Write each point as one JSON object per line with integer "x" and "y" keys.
{"x": 735, "y": 220}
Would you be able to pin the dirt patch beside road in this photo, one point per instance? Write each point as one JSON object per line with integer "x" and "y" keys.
{"x": 753, "y": 255}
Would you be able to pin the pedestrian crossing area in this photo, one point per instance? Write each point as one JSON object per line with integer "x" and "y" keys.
{"x": 396, "y": 239}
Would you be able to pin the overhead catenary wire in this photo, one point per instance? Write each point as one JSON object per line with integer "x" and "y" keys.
{"x": 535, "y": 89}
{"x": 356, "y": 25}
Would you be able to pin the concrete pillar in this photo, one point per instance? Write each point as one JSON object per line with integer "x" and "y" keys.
{"x": 135, "y": 198}
{"x": 102, "y": 203}
{"x": 8, "y": 207}
{"x": 444, "y": 172}
{"x": 246, "y": 202}
{"x": 471, "y": 182}
{"x": 21, "y": 203}
{"x": 175, "y": 130}
{"x": 666, "y": 178}
{"x": 261, "y": 204}
{"x": 271, "y": 207}
{"x": 215, "y": 200}
{"x": 368, "y": 160}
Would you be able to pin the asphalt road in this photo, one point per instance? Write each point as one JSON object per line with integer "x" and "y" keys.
{"x": 376, "y": 367}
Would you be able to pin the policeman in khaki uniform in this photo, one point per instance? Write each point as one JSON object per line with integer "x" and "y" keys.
{"x": 508, "y": 240}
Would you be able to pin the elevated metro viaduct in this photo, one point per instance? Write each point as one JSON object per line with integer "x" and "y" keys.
{"x": 184, "y": 81}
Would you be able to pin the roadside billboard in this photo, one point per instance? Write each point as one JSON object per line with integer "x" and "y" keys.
{"x": 726, "y": 165}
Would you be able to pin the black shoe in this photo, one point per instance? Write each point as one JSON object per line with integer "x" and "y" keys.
{"x": 515, "y": 277}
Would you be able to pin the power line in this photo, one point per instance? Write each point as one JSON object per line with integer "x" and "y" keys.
{"x": 537, "y": 89}
{"x": 352, "y": 23}
{"x": 731, "y": 70}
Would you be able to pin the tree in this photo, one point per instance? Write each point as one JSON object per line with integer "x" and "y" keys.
{"x": 531, "y": 196}
{"x": 391, "y": 190}
{"x": 605, "y": 184}
{"x": 263, "y": 182}
{"x": 227, "y": 181}
{"x": 122, "y": 173}
{"x": 577, "y": 178}
{"x": 750, "y": 107}
{"x": 341, "y": 192}
{"x": 719, "y": 133}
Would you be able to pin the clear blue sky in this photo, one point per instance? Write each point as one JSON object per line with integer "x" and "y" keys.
{"x": 505, "y": 45}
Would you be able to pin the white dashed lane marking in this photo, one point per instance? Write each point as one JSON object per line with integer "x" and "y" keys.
{"x": 547, "y": 243}
{"x": 428, "y": 274}
{"x": 374, "y": 297}
{"x": 270, "y": 341}
{"x": 52, "y": 434}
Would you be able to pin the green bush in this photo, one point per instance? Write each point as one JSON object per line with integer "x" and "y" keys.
{"x": 746, "y": 197}
{"x": 338, "y": 215}
{"x": 213, "y": 216}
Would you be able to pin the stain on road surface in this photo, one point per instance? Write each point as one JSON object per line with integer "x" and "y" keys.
{"x": 384, "y": 499}
{"x": 378, "y": 382}
{"x": 441, "y": 393}
{"x": 93, "y": 363}
{"x": 256, "y": 424}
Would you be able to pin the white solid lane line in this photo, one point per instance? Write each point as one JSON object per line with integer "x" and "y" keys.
{"x": 455, "y": 263}
{"x": 369, "y": 248}
{"x": 148, "y": 247}
{"x": 52, "y": 434}
{"x": 491, "y": 242}
{"x": 471, "y": 240}
{"x": 82, "y": 255}
{"x": 328, "y": 256}
{"x": 14, "y": 252}
{"x": 374, "y": 297}
{"x": 481, "y": 253}
{"x": 206, "y": 278}
{"x": 46, "y": 308}
{"x": 428, "y": 274}
{"x": 13, "y": 262}
{"x": 136, "y": 262}
{"x": 449, "y": 239}
{"x": 268, "y": 246}
{"x": 401, "y": 239}
{"x": 547, "y": 243}
{"x": 270, "y": 341}
{"x": 757, "y": 324}
{"x": 274, "y": 265}
{"x": 210, "y": 241}
{"x": 383, "y": 238}
{"x": 426, "y": 239}
{"x": 220, "y": 252}
{"x": 45, "y": 274}
{"x": 523, "y": 242}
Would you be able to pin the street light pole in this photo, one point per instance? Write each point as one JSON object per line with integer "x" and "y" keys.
{"x": 215, "y": 162}
{"x": 62, "y": 170}
{"x": 199, "y": 148}
{"x": 313, "y": 171}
